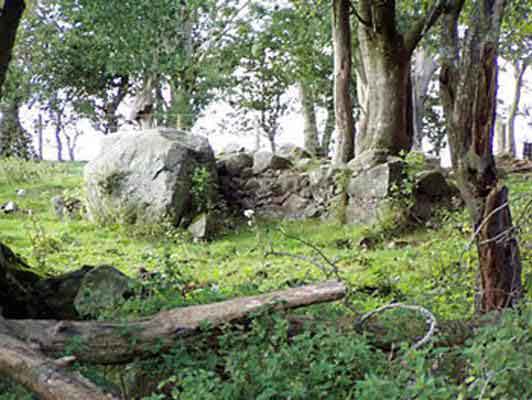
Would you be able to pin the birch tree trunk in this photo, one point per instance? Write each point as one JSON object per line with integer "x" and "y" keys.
{"x": 500, "y": 135}
{"x": 423, "y": 69}
{"x": 341, "y": 26}
{"x": 40, "y": 137}
{"x": 310, "y": 128}
{"x": 519, "y": 72}
{"x": 468, "y": 84}
{"x": 328, "y": 130}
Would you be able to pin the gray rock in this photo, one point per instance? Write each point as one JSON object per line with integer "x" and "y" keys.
{"x": 9, "y": 207}
{"x": 368, "y": 191}
{"x": 376, "y": 182}
{"x": 367, "y": 160}
{"x": 201, "y": 227}
{"x": 233, "y": 148}
{"x": 303, "y": 163}
{"x": 236, "y": 164}
{"x": 264, "y": 160}
{"x": 101, "y": 288}
{"x": 290, "y": 182}
{"x": 146, "y": 176}
{"x": 58, "y": 205}
{"x": 319, "y": 176}
{"x": 295, "y": 206}
{"x": 69, "y": 207}
{"x": 293, "y": 152}
{"x": 433, "y": 185}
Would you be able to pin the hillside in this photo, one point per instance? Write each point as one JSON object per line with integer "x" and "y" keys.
{"x": 433, "y": 266}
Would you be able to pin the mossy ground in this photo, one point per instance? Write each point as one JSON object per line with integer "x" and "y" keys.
{"x": 429, "y": 266}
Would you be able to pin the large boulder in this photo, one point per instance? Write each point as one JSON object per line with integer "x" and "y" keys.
{"x": 147, "y": 176}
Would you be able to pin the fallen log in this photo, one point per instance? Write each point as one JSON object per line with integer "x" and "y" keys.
{"x": 44, "y": 376}
{"x": 121, "y": 342}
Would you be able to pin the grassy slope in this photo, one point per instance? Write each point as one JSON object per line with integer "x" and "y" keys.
{"x": 423, "y": 266}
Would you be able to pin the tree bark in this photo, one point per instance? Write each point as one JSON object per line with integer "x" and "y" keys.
{"x": 58, "y": 128}
{"x": 44, "y": 376}
{"x": 122, "y": 342}
{"x": 110, "y": 109}
{"x": 345, "y": 133}
{"x": 40, "y": 137}
{"x": 15, "y": 141}
{"x": 500, "y": 136}
{"x": 328, "y": 130}
{"x": 423, "y": 69}
{"x": 310, "y": 128}
{"x": 72, "y": 141}
{"x": 10, "y": 17}
{"x": 519, "y": 72}
{"x": 468, "y": 84}
{"x": 385, "y": 59}
{"x": 142, "y": 111}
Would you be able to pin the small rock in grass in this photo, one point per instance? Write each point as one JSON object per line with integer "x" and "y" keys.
{"x": 21, "y": 192}
{"x": 9, "y": 207}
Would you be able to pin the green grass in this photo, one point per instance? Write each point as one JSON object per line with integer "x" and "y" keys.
{"x": 427, "y": 267}
{"x": 423, "y": 268}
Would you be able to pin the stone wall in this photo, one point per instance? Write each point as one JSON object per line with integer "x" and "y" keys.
{"x": 292, "y": 185}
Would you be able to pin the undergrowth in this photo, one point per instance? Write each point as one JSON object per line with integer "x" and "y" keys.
{"x": 432, "y": 267}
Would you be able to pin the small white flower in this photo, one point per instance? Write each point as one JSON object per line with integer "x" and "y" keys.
{"x": 249, "y": 213}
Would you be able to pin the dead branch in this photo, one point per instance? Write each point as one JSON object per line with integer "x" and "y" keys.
{"x": 44, "y": 376}
{"x": 431, "y": 320}
{"x": 120, "y": 342}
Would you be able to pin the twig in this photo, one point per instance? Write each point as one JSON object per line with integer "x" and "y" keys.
{"x": 431, "y": 319}
{"x": 357, "y": 15}
{"x": 313, "y": 247}
{"x": 310, "y": 260}
{"x": 483, "y": 223}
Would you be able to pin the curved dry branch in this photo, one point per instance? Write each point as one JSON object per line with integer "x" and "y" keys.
{"x": 431, "y": 319}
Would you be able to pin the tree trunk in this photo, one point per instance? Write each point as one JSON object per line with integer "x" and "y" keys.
{"x": 468, "y": 84}
{"x": 42, "y": 375}
{"x": 341, "y": 26}
{"x": 423, "y": 69}
{"x": 40, "y": 137}
{"x": 14, "y": 140}
{"x": 121, "y": 342}
{"x": 385, "y": 60}
{"x": 310, "y": 128}
{"x": 72, "y": 141}
{"x": 328, "y": 130}
{"x": 500, "y": 136}
{"x": 10, "y": 16}
{"x": 388, "y": 111}
{"x": 57, "y": 133}
{"x": 111, "y": 108}
{"x": 519, "y": 72}
{"x": 142, "y": 111}
{"x": 182, "y": 108}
